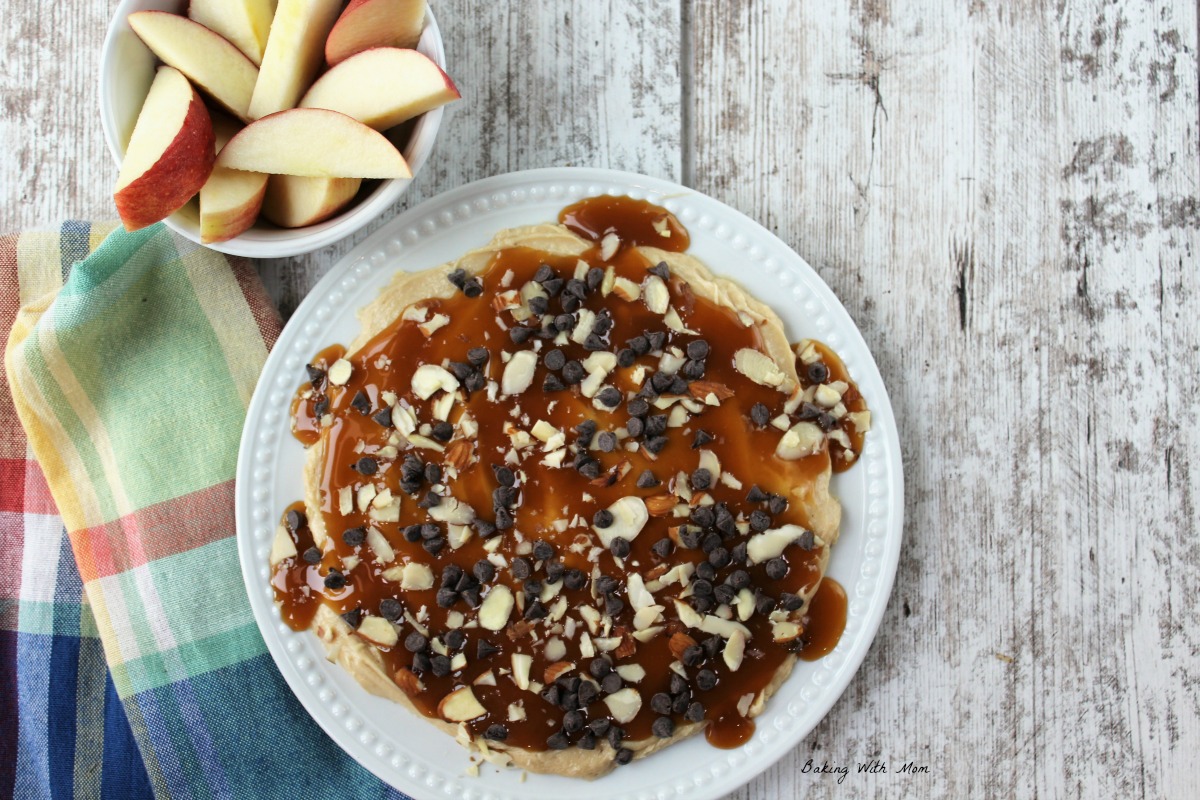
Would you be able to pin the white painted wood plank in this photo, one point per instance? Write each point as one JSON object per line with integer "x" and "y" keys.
{"x": 1005, "y": 198}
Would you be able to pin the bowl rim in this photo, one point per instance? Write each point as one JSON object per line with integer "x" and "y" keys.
{"x": 264, "y": 242}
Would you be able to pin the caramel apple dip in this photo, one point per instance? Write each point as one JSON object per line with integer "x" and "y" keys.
{"x": 567, "y": 496}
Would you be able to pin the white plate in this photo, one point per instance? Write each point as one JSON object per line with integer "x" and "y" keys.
{"x": 405, "y": 750}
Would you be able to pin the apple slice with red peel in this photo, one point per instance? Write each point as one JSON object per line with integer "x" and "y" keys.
{"x": 293, "y": 201}
{"x": 207, "y": 59}
{"x": 315, "y": 143}
{"x": 245, "y": 23}
{"x": 382, "y": 87}
{"x": 170, "y": 153}
{"x": 375, "y": 23}
{"x": 231, "y": 198}
{"x": 295, "y": 48}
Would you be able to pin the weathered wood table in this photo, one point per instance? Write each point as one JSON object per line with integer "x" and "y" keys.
{"x": 1005, "y": 196}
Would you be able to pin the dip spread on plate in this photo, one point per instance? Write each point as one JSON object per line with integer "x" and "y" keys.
{"x": 568, "y": 496}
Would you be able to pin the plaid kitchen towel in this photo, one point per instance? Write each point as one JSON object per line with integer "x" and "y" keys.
{"x": 130, "y": 663}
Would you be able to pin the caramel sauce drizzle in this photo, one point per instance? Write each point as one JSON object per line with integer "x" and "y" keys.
{"x": 547, "y": 495}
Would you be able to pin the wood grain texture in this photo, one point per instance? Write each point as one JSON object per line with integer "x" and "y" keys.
{"x": 1004, "y": 195}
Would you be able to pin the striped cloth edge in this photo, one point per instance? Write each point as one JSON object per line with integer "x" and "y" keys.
{"x": 131, "y": 382}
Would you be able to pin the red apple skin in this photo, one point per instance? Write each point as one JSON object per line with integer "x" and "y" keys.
{"x": 176, "y": 177}
{"x": 343, "y": 42}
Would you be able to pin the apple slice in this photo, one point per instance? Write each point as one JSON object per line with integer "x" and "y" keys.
{"x": 315, "y": 143}
{"x": 206, "y": 58}
{"x": 170, "y": 153}
{"x": 243, "y": 22}
{"x": 293, "y": 201}
{"x": 293, "y": 55}
{"x": 382, "y": 87}
{"x": 375, "y": 23}
{"x": 231, "y": 198}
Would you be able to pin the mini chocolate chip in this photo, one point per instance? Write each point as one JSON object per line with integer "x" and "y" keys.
{"x": 724, "y": 594}
{"x": 555, "y": 359}
{"x": 551, "y": 694}
{"x": 613, "y": 605}
{"x": 705, "y": 571}
{"x": 475, "y": 381}
{"x": 738, "y": 554}
{"x": 420, "y": 662}
{"x": 817, "y": 372}
{"x": 679, "y": 385}
{"x": 553, "y": 286}
{"x": 390, "y": 609}
{"x": 572, "y": 721}
{"x": 657, "y": 339}
{"x": 455, "y": 639}
{"x": 599, "y": 726}
{"x": 660, "y": 703}
{"x": 451, "y": 574}
{"x": 312, "y": 556}
{"x": 415, "y": 642}
{"x": 634, "y": 427}
{"x": 719, "y": 557}
{"x": 706, "y": 680}
{"x": 478, "y": 356}
{"x": 446, "y": 597}
{"x": 354, "y": 537}
{"x": 439, "y": 666}
{"x": 677, "y": 683}
{"x": 366, "y": 466}
{"x": 594, "y": 343}
{"x": 587, "y": 741}
{"x": 295, "y": 520}
{"x": 606, "y": 441}
{"x": 459, "y": 369}
{"x": 647, "y": 480}
{"x": 703, "y": 604}
{"x": 689, "y": 538}
{"x": 484, "y": 570}
{"x": 777, "y": 504}
{"x": 626, "y": 357}
{"x": 544, "y": 273}
{"x": 497, "y": 733}
{"x": 316, "y": 375}
{"x": 697, "y": 349}
{"x": 412, "y": 533}
{"x": 692, "y": 370}
{"x": 521, "y": 568}
{"x": 335, "y": 580}
{"x": 554, "y": 571}
{"x": 465, "y": 582}
{"x": 558, "y": 741}
{"x": 590, "y": 469}
{"x": 574, "y": 579}
{"x": 619, "y": 546}
{"x": 552, "y": 383}
{"x": 661, "y": 381}
{"x": 532, "y": 587}
{"x": 538, "y": 305}
{"x": 702, "y": 438}
{"x": 543, "y": 550}
{"x": 692, "y": 656}
{"x": 662, "y": 548}
{"x": 656, "y": 424}
{"x": 594, "y": 277}
{"x": 504, "y": 519}
{"x": 504, "y": 475}
{"x": 587, "y": 693}
{"x": 695, "y": 712}
{"x": 576, "y": 288}
{"x": 655, "y": 444}
{"x": 725, "y": 523}
{"x": 764, "y": 604}
{"x": 519, "y": 334}
{"x": 760, "y": 415}
{"x": 569, "y": 683}
{"x": 639, "y": 345}
{"x": 809, "y": 411}
{"x": 473, "y": 288}
{"x": 663, "y": 727}
{"x": 611, "y": 683}
{"x": 609, "y": 396}
{"x": 598, "y": 668}
{"x": 564, "y": 322}
{"x": 569, "y": 302}
{"x": 702, "y": 588}
{"x": 353, "y": 618}
{"x": 777, "y": 569}
{"x": 701, "y": 479}
{"x": 826, "y": 422}
{"x": 535, "y": 610}
{"x": 739, "y": 579}
{"x": 703, "y": 516}
{"x": 458, "y": 277}
{"x": 623, "y": 756}
{"x": 572, "y": 372}
{"x": 790, "y": 602}
{"x": 710, "y": 542}
{"x": 430, "y": 500}
{"x": 807, "y": 541}
{"x": 504, "y": 496}
{"x": 321, "y": 407}
{"x": 485, "y": 529}
{"x": 485, "y": 649}
{"x": 383, "y": 417}
{"x": 442, "y": 431}
{"x": 759, "y": 521}
{"x": 361, "y": 403}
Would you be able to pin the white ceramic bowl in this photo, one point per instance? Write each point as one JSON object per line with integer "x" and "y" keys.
{"x": 126, "y": 69}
